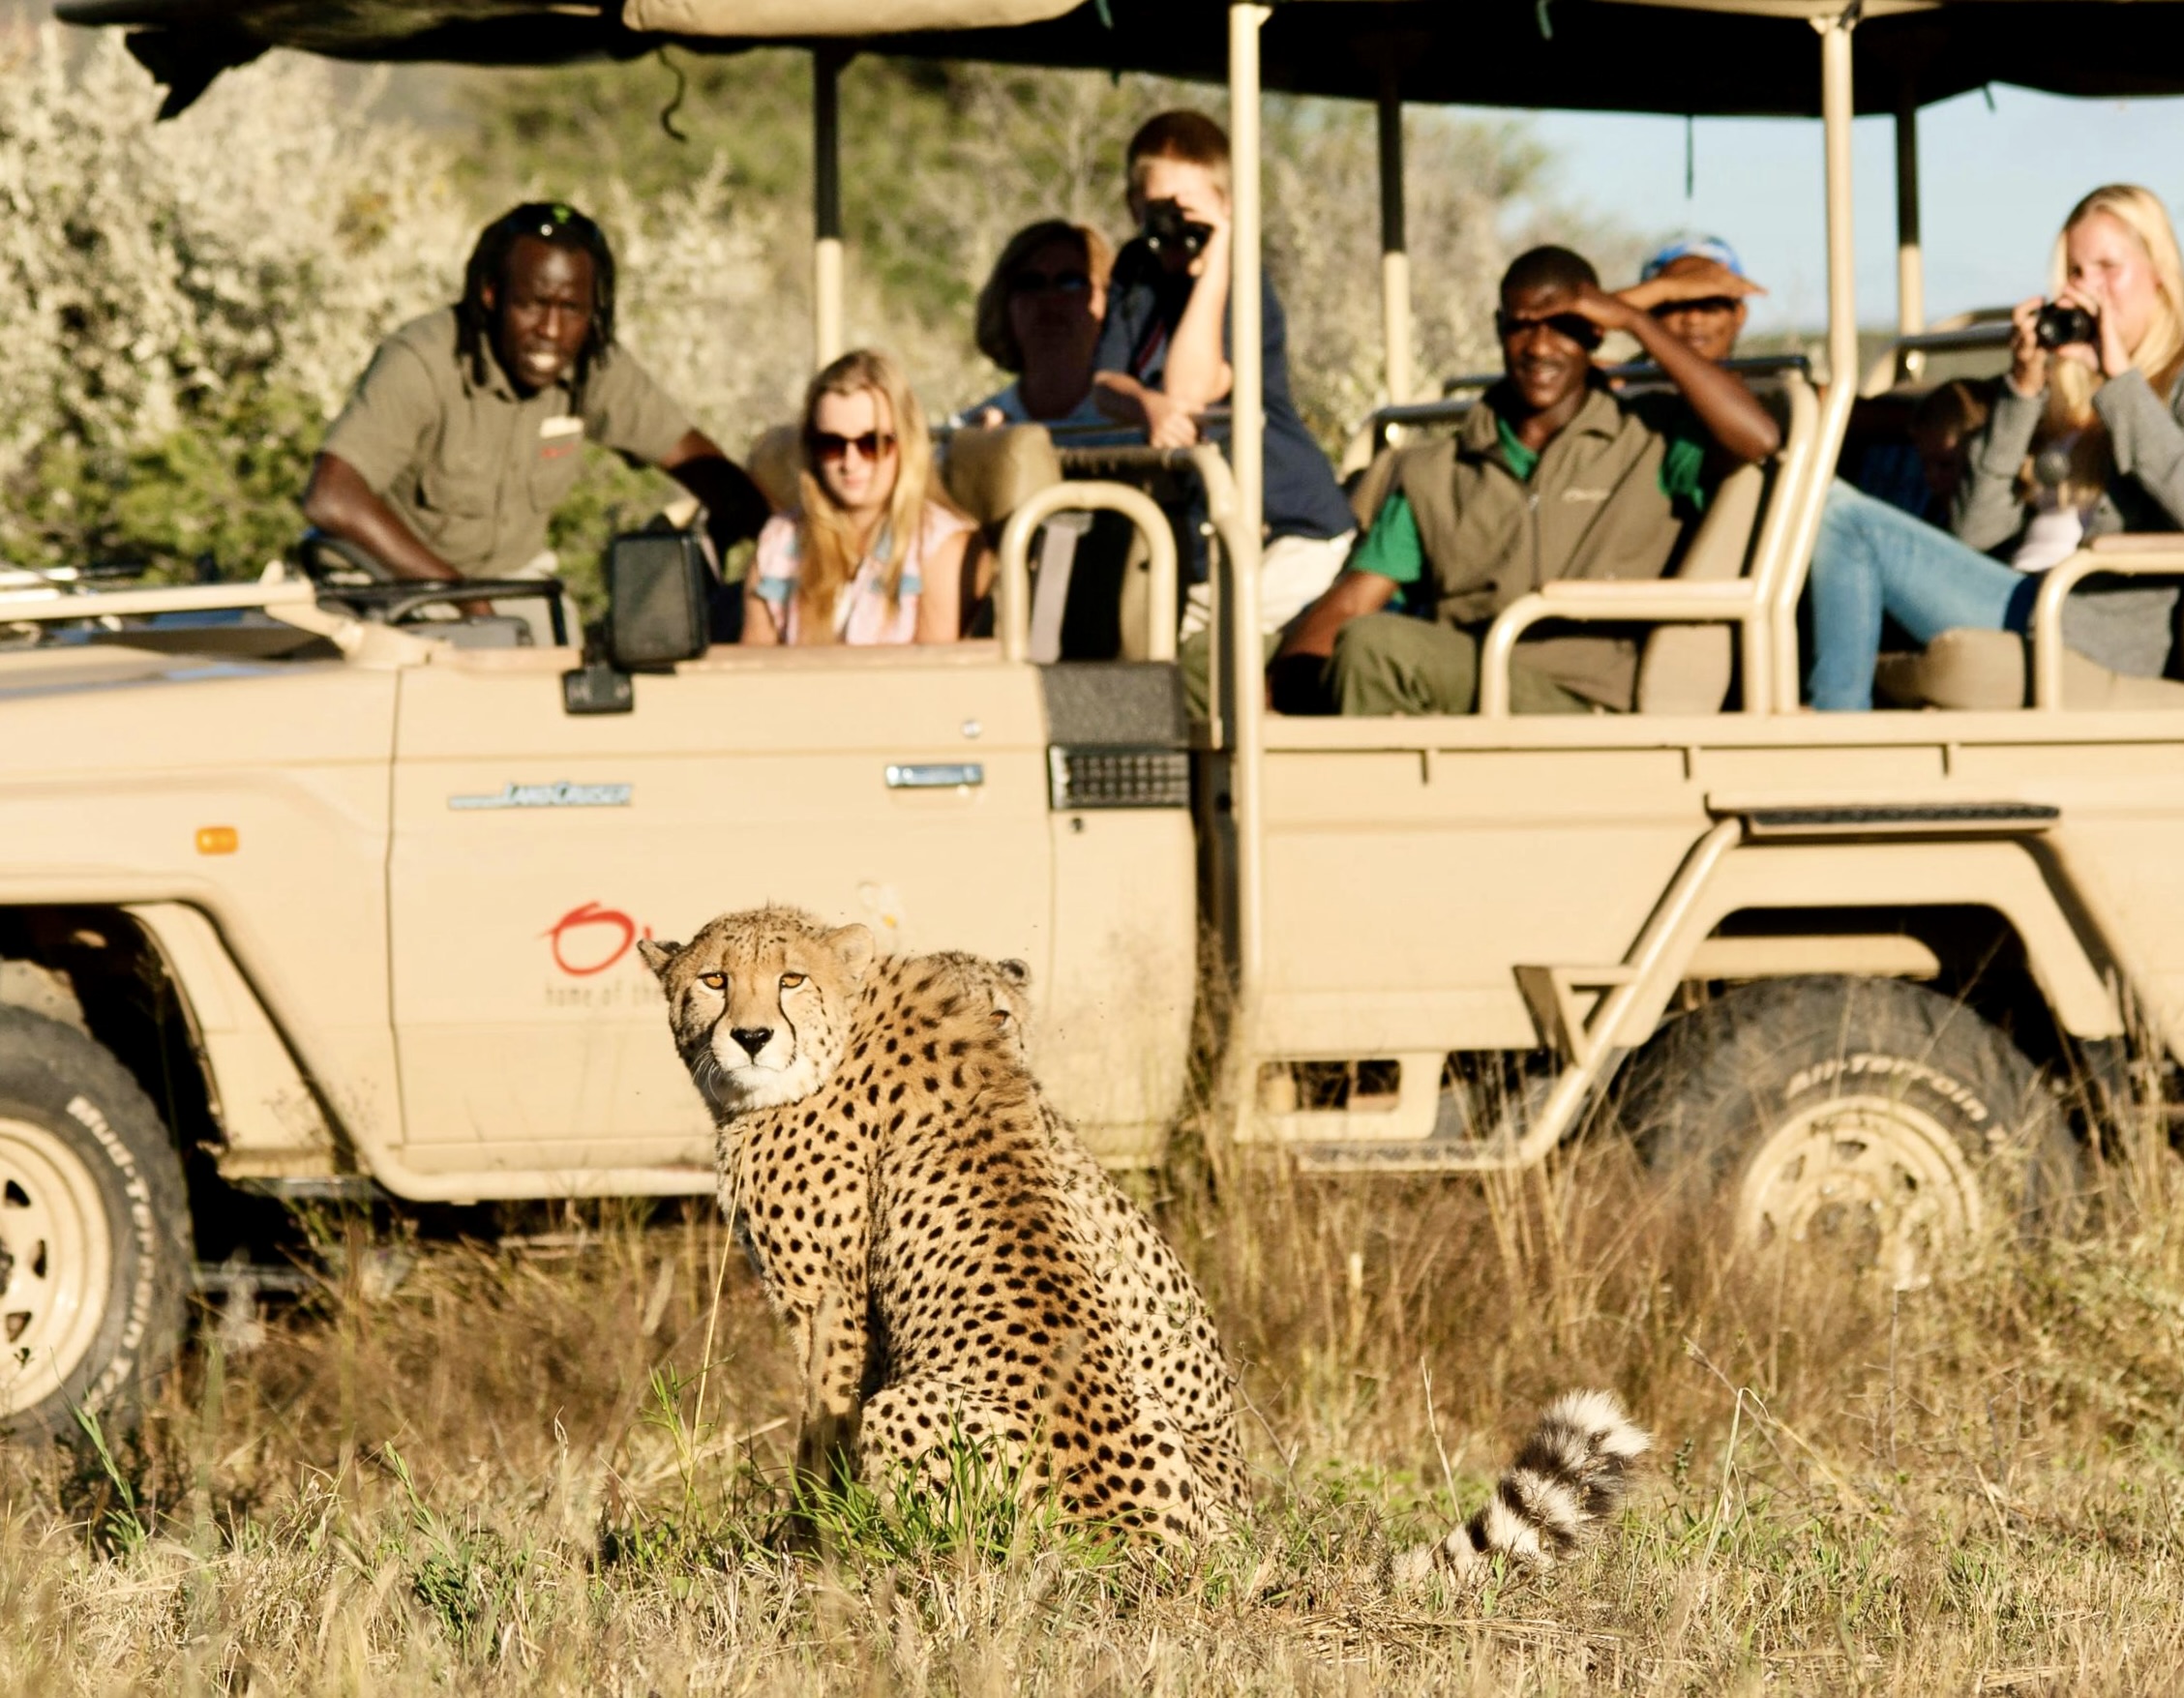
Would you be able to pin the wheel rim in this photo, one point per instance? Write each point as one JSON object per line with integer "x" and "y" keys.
{"x": 56, "y": 1264}
{"x": 1867, "y": 1181}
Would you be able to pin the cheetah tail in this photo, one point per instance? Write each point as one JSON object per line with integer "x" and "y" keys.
{"x": 1567, "y": 1480}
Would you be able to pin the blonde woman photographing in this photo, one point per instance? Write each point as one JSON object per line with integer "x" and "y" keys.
{"x": 2086, "y": 438}
{"x": 874, "y": 552}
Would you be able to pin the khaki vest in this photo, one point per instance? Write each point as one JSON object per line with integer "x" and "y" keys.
{"x": 1592, "y": 509}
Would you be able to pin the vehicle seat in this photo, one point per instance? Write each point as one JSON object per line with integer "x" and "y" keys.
{"x": 1985, "y": 672}
{"x": 990, "y": 473}
{"x": 1688, "y": 668}
{"x": 776, "y": 464}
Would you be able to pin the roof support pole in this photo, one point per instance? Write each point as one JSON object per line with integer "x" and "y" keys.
{"x": 827, "y": 205}
{"x": 1835, "y": 115}
{"x": 1910, "y": 257}
{"x": 1835, "y": 112}
{"x": 1395, "y": 244}
{"x": 1248, "y": 454}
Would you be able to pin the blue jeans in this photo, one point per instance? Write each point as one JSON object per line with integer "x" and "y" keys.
{"x": 1872, "y": 559}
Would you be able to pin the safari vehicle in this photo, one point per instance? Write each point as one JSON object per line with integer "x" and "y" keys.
{"x": 302, "y": 892}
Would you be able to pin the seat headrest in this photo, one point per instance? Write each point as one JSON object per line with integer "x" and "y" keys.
{"x": 776, "y": 464}
{"x": 990, "y": 473}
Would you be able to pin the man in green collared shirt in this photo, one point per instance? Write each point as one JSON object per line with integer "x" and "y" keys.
{"x": 1551, "y": 476}
{"x": 468, "y": 427}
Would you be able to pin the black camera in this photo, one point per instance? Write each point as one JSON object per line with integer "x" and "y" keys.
{"x": 2058, "y": 325}
{"x": 1165, "y": 227}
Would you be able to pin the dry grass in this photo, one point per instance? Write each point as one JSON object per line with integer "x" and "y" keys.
{"x": 499, "y": 1478}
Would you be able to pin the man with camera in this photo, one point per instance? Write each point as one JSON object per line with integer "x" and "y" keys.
{"x": 467, "y": 429}
{"x": 1163, "y": 358}
{"x": 1552, "y": 475}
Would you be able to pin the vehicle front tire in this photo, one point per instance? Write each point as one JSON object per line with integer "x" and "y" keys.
{"x": 1866, "y": 1125}
{"x": 95, "y": 1241}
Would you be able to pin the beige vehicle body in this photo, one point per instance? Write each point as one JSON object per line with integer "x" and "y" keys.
{"x": 398, "y": 890}
{"x": 383, "y": 902}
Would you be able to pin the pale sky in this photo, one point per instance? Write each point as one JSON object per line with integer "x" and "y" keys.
{"x": 1994, "y": 188}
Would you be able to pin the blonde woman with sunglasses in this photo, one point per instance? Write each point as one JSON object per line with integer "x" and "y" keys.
{"x": 874, "y": 552}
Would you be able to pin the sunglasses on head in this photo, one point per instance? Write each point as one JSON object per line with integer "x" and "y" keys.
{"x": 1041, "y": 282}
{"x": 1571, "y": 326}
{"x": 828, "y": 446}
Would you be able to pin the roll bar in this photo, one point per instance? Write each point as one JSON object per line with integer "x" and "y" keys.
{"x": 1387, "y": 420}
{"x": 1012, "y": 580}
{"x": 1902, "y": 357}
{"x": 2124, "y": 557}
{"x": 1211, "y": 468}
{"x": 268, "y": 594}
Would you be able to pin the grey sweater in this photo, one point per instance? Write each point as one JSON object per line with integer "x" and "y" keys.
{"x": 2126, "y": 626}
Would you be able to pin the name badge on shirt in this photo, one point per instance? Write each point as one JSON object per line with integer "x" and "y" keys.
{"x": 560, "y": 437}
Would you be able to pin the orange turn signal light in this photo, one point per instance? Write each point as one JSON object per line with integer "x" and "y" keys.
{"x": 218, "y": 840}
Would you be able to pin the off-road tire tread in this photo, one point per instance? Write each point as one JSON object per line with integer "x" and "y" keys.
{"x": 43, "y": 1066}
{"x": 1694, "y": 1097}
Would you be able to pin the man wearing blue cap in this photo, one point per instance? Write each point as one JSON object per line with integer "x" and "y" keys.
{"x": 1695, "y": 287}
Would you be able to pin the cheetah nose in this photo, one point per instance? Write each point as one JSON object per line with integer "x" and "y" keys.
{"x": 753, "y": 1038}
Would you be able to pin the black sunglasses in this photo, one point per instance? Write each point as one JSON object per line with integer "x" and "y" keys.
{"x": 1039, "y": 282}
{"x": 1704, "y": 303}
{"x": 1572, "y": 326}
{"x": 829, "y": 445}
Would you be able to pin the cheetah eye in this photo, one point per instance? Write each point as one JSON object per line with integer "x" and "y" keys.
{"x": 1001, "y": 1016}
{"x": 791, "y": 980}
{"x": 713, "y": 982}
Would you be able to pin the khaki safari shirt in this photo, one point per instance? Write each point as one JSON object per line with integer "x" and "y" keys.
{"x": 474, "y": 469}
{"x": 1607, "y": 497}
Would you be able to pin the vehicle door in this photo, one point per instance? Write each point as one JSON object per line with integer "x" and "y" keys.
{"x": 532, "y": 848}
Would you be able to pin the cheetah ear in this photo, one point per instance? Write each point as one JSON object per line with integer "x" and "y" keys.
{"x": 1016, "y": 973}
{"x": 659, "y": 957}
{"x": 854, "y": 945}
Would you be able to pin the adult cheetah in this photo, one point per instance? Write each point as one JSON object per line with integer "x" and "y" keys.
{"x": 950, "y": 1261}
{"x": 882, "y": 1146}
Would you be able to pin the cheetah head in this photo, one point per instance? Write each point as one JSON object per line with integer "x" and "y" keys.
{"x": 760, "y": 1002}
{"x": 1004, "y": 986}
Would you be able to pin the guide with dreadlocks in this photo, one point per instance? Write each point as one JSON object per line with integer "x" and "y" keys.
{"x": 467, "y": 428}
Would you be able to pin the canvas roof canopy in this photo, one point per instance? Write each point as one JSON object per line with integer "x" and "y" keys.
{"x": 1705, "y": 57}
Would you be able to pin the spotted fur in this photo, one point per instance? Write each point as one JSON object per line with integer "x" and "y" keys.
{"x": 908, "y": 1217}
{"x": 1170, "y": 1339}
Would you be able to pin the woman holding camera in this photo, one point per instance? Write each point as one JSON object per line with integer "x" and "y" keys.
{"x": 873, "y": 552}
{"x": 2086, "y": 437}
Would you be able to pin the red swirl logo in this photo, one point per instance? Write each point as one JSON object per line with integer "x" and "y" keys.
{"x": 591, "y": 938}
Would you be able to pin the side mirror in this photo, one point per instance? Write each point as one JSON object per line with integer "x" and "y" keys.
{"x": 658, "y": 592}
{"x": 658, "y": 587}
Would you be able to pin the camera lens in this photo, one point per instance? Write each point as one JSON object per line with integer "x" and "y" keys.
{"x": 2058, "y": 325}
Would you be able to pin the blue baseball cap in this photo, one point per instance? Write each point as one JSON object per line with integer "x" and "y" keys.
{"x": 1684, "y": 246}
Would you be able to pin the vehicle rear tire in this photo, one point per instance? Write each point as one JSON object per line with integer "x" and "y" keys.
{"x": 1868, "y": 1125}
{"x": 95, "y": 1240}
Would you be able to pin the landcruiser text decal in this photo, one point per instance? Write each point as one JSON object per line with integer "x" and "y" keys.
{"x": 548, "y": 796}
